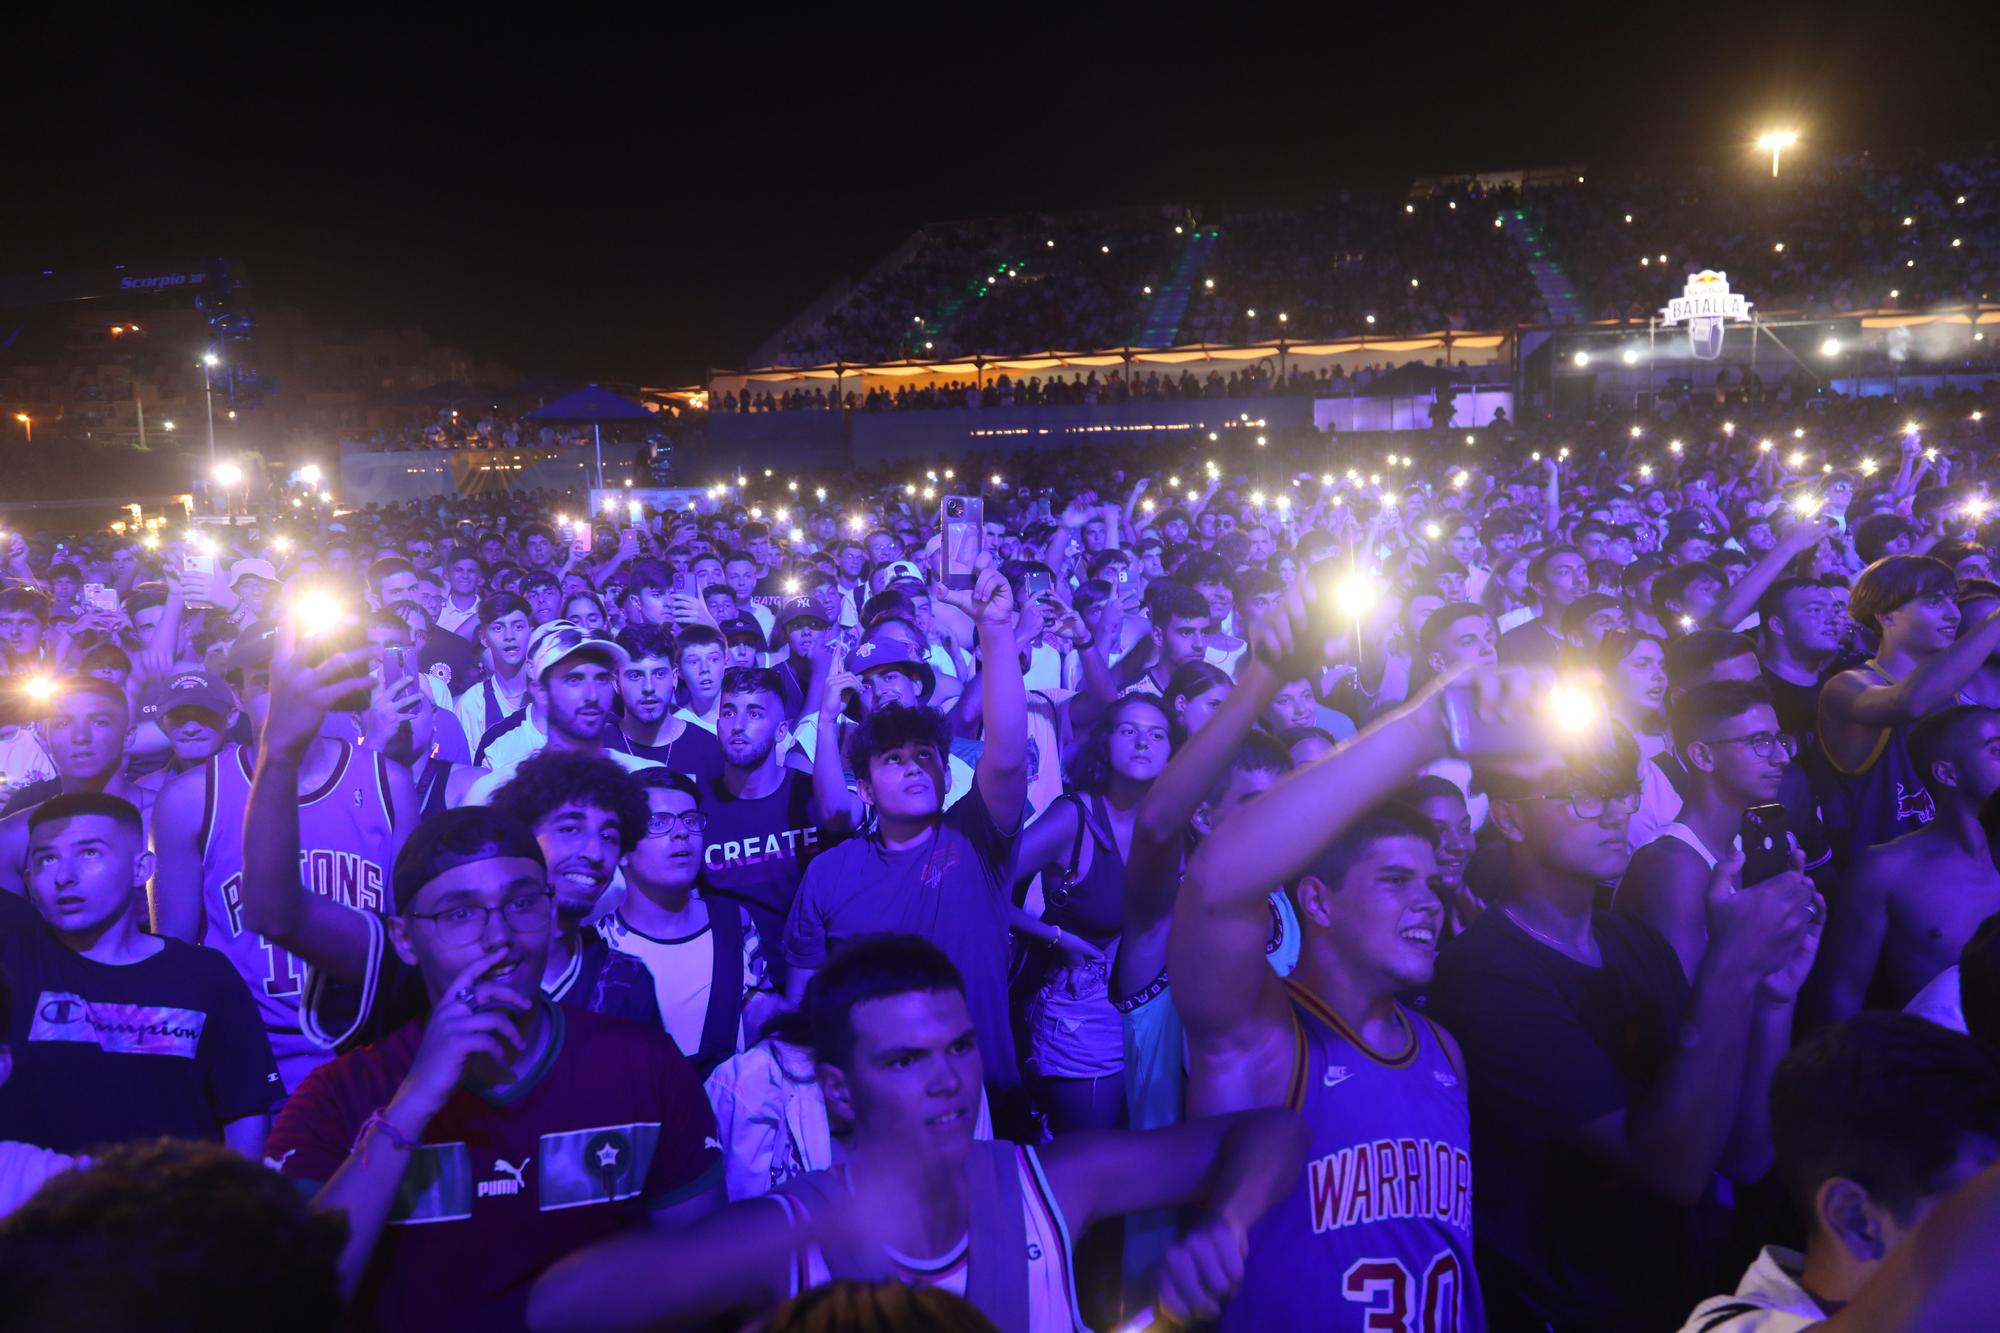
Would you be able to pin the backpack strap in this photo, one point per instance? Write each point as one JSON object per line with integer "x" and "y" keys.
{"x": 721, "y": 1024}
{"x": 997, "y": 1281}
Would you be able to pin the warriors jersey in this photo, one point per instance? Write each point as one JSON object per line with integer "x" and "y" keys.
{"x": 345, "y": 836}
{"x": 1377, "y": 1229}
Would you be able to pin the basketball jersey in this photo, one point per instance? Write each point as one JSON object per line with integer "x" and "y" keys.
{"x": 1051, "y": 1295}
{"x": 345, "y": 829}
{"x": 1882, "y": 799}
{"x": 1379, "y": 1220}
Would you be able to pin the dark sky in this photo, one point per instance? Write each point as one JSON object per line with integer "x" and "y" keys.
{"x": 646, "y": 200}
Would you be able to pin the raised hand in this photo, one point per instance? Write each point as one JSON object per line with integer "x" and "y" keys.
{"x": 990, "y": 602}
{"x": 1760, "y": 928}
{"x": 302, "y": 694}
{"x": 472, "y": 1018}
{"x": 837, "y": 684}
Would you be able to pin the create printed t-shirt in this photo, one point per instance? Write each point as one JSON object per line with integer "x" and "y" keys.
{"x": 106, "y": 1053}
{"x": 610, "y": 1125}
{"x": 951, "y": 888}
{"x": 755, "y": 851}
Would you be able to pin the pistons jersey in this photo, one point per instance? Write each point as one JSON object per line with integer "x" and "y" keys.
{"x": 346, "y": 825}
{"x": 1376, "y": 1231}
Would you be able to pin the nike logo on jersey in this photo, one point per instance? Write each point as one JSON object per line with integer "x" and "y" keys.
{"x": 1335, "y": 1076}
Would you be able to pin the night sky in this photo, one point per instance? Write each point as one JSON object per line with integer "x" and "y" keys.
{"x": 642, "y": 202}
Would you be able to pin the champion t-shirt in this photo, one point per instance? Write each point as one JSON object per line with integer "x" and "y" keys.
{"x": 106, "y": 1053}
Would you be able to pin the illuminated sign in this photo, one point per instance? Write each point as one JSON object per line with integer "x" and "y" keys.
{"x": 1706, "y": 307}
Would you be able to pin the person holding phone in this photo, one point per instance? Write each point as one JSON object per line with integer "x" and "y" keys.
{"x": 1727, "y": 733}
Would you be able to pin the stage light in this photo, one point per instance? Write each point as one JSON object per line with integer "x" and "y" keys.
{"x": 1581, "y": 359}
{"x": 1629, "y": 357}
{"x": 1831, "y": 347}
{"x": 1776, "y": 142}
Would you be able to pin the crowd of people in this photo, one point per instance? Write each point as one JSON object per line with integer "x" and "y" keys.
{"x": 1539, "y": 880}
{"x": 1835, "y": 232}
{"x": 1257, "y": 380}
{"x": 1863, "y": 231}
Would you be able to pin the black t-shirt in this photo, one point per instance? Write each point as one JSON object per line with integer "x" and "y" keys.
{"x": 695, "y": 752}
{"x": 1797, "y": 707}
{"x": 170, "y": 1045}
{"x": 1550, "y": 1046}
{"x": 757, "y": 851}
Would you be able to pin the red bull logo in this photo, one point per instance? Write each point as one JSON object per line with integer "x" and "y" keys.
{"x": 1706, "y": 306}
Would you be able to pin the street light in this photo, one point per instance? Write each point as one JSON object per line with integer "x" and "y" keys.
{"x": 1777, "y": 141}
{"x": 209, "y": 361}
{"x": 22, "y": 417}
{"x": 309, "y": 474}
{"x": 228, "y": 474}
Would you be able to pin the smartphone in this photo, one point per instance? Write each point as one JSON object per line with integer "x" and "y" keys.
{"x": 1577, "y": 720}
{"x": 199, "y": 564}
{"x": 962, "y": 520}
{"x": 583, "y": 533}
{"x": 97, "y": 597}
{"x": 327, "y": 628}
{"x": 395, "y": 666}
{"x": 1124, "y": 575}
{"x": 684, "y": 584}
{"x": 1037, "y": 583}
{"x": 1767, "y": 844}
{"x": 633, "y": 533}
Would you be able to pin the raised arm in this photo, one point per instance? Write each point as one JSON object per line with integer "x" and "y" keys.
{"x": 1931, "y": 685}
{"x": 276, "y": 903}
{"x": 1232, "y": 1004}
{"x": 835, "y": 808}
{"x": 176, "y": 889}
{"x": 1002, "y": 773}
{"x": 1741, "y": 599}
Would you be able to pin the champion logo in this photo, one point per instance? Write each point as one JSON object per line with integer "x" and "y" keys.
{"x": 278, "y": 1163}
{"x": 1335, "y": 1076}
{"x": 490, "y": 1188}
{"x": 1444, "y": 1080}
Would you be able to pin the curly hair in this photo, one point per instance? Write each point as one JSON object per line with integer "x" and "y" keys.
{"x": 552, "y": 779}
{"x": 169, "y": 1235}
{"x": 891, "y": 727}
{"x": 1090, "y": 769}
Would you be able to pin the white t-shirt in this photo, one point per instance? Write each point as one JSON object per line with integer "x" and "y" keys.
{"x": 1769, "y": 1299}
{"x": 1941, "y": 1001}
{"x": 684, "y": 972}
{"x": 23, "y": 1168}
{"x": 22, "y": 758}
{"x": 482, "y": 791}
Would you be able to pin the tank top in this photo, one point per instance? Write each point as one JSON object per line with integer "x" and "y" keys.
{"x": 1379, "y": 1220}
{"x": 1089, "y": 903}
{"x": 345, "y": 828}
{"x": 1681, "y": 833}
{"x": 1882, "y": 799}
{"x": 1050, "y": 1281}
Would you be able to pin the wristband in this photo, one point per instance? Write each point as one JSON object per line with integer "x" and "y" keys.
{"x": 377, "y": 1120}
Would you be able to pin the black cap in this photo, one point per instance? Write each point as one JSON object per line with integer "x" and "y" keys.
{"x": 455, "y": 838}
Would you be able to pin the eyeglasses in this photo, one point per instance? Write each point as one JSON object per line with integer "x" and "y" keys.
{"x": 661, "y": 822}
{"x": 525, "y": 914}
{"x": 1760, "y": 743}
{"x": 1592, "y": 805}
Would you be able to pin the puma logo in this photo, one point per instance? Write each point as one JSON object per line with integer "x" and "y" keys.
{"x": 517, "y": 1183}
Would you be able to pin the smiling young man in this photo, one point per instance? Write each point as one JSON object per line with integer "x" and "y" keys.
{"x": 918, "y": 1199}
{"x": 1367, "y": 1224}
{"x": 117, "y": 1034}
{"x": 650, "y": 727}
{"x": 485, "y": 1138}
{"x": 705, "y": 956}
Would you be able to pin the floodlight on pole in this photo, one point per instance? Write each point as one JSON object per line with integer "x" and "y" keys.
{"x": 1777, "y": 141}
